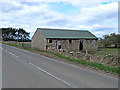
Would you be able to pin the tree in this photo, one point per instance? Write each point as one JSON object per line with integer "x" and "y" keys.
{"x": 8, "y": 34}
{"x": 22, "y": 35}
{"x": 105, "y": 41}
{"x": 13, "y": 34}
{"x": 112, "y": 39}
{"x": 115, "y": 39}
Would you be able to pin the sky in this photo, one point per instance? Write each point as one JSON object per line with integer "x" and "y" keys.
{"x": 98, "y": 16}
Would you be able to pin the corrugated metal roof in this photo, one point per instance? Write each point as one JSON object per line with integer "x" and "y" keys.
{"x": 66, "y": 34}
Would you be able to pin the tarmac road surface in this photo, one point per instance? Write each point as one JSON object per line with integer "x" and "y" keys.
{"x": 24, "y": 69}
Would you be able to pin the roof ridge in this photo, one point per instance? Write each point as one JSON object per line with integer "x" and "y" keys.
{"x": 62, "y": 29}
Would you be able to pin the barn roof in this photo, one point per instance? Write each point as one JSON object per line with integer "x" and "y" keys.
{"x": 66, "y": 34}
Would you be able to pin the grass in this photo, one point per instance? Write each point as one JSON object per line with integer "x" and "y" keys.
{"x": 83, "y": 62}
{"x": 10, "y": 44}
{"x": 27, "y": 45}
{"x": 106, "y": 51}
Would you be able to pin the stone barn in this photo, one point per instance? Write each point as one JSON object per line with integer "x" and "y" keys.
{"x": 68, "y": 40}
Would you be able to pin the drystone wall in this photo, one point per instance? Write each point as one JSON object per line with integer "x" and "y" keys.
{"x": 109, "y": 59}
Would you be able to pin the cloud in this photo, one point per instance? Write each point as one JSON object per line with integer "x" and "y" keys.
{"x": 73, "y": 2}
{"x": 98, "y": 14}
{"x": 99, "y": 18}
{"x": 102, "y": 18}
{"x": 10, "y": 5}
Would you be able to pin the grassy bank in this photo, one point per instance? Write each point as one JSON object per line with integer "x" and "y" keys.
{"x": 84, "y": 62}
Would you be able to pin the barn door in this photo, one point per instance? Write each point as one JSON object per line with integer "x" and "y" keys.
{"x": 81, "y": 45}
{"x": 58, "y": 44}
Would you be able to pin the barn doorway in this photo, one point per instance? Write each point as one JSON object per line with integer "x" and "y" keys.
{"x": 58, "y": 44}
{"x": 81, "y": 45}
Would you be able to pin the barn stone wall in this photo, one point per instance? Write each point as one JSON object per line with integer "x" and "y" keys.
{"x": 90, "y": 46}
{"x": 38, "y": 41}
{"x": 74, "y": 46}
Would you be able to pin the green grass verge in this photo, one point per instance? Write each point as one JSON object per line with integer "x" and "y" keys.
{"x": 10, "y": 44}
{"x": 88, "y": 63}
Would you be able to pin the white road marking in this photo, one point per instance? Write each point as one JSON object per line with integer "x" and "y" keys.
{"x": 80, "y": 67}
{"x": 13, "y": 54}
{"x": 52, "y": 75}
{"x": 62, "y": 62}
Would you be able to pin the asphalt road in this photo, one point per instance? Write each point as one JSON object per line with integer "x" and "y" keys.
{"x": 24, "y": 69}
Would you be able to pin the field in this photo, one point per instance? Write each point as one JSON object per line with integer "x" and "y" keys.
{"x": 106, "y": 51}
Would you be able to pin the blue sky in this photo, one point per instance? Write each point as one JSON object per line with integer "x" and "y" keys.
{"x": 98, "y": 16}
{"x": 67, "y": 9}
